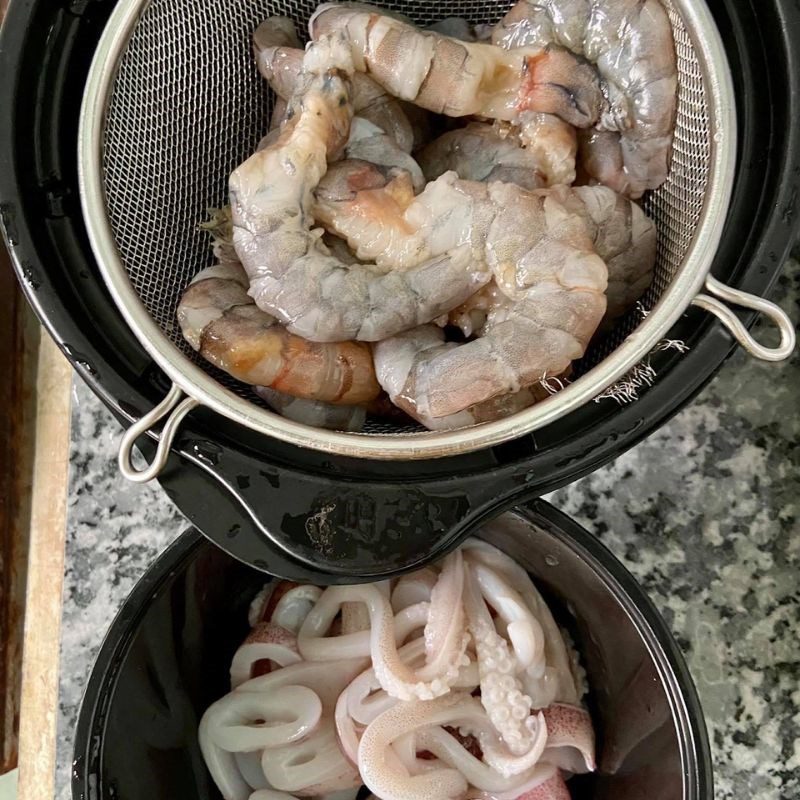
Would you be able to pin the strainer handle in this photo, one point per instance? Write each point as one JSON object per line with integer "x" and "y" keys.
{"x": 171, "y": 405}
{"x": 734, "y": 325}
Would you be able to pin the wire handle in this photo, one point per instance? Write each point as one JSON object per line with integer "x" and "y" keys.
{"x": 728, "y": 318}
{"x": 171, "y": 405}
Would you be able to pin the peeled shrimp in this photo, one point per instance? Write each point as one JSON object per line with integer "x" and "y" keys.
{"x": 219, "y": 320}
{"x": 392, "y": 376}
{"x": 292, "y": 274}
{"x": 279, "y": 56}
{"x": 479, "y": 153}
{"x": 631, "y": 43}
{"x": 462, "y": 78}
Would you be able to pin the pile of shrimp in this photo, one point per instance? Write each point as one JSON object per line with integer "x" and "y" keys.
{"x": 438, "y": 222}
{"x": 452, "y": 683}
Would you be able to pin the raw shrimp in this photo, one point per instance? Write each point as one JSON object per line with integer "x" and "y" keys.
{"x": 407, "y": 346}
{"x": 314, "y": 412}
{"x": 279, "y": 56}
{"x": 279, "y": 111}
{"x": 367, "y": 201}
{"x": 545, "y": 260}
{"x": 631, "y": 43}
{"x": 368, "y": 142}
{"x": 480, "y": 153}
{"x": 222, "y": 323}
{"x": 292, "y": 273}
{"x": 463, "y": 78}
{"x": 470, "y": 317}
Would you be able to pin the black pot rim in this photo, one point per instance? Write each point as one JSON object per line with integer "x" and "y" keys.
{"x": 692, "y": 369}
{"x": 672, "y": 667}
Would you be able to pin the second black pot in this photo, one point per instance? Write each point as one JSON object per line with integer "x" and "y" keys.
{"x": 167, "y": 655}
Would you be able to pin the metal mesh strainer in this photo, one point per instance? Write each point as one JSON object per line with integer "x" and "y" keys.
{"x": 174, "y": 103}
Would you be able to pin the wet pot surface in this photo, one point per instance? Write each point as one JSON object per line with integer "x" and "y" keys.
{"x": 166, "y": 659}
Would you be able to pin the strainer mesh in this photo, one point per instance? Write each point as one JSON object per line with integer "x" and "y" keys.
{"x": 188, "y": 105}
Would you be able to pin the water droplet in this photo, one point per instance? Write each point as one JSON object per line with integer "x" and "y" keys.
{"x": 207, "y": 452}
{"x": 79, "y": 360}
{"x": 30, "y": 276}
{"x": 551, "y": 560}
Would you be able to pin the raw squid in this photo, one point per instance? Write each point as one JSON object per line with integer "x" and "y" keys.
{"x": 323, "y": 725}
{"x": 292, "y": 274}
{"x": 631, "y": 43}
{"x": 459, "y": 78}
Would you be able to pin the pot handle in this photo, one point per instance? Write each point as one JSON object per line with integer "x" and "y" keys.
{"x": 171, "y": 405}
{"x": 734, "y": 325}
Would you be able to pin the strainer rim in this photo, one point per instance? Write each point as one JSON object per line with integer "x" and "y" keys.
{"x": 203, "y": 388}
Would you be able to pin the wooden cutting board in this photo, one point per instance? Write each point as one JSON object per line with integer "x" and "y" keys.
{"x": 34, "y": 457}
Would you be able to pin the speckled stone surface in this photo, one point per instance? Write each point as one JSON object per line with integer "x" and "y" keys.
{"x": 704, "y": 513}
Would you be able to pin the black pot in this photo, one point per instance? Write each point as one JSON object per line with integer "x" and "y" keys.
{"x": 166, "y": 659}
{"x": 264, "y": 501}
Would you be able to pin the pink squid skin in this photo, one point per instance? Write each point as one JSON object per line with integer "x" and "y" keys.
{"x": 570, "y": 738}
{"x": 554, "y": 788}
{"x": 266, "y": 646}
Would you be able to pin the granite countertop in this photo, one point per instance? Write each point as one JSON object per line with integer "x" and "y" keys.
{"x": 704, "y": 513}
